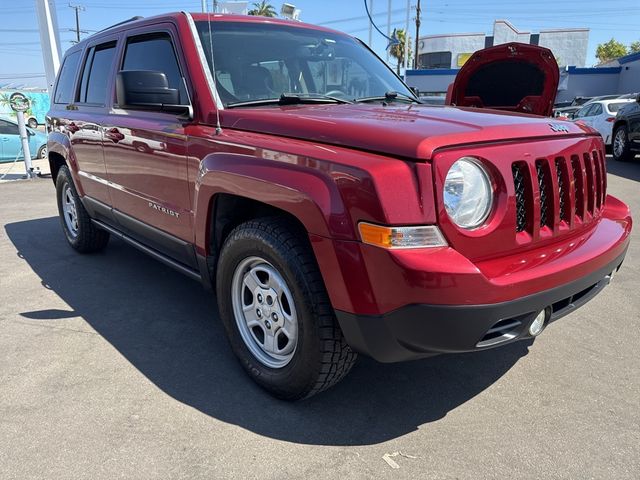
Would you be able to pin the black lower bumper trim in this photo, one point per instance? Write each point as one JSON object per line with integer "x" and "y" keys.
{"x": 418, "y": 331}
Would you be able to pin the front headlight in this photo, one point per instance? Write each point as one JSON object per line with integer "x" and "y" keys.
{"x": 468, "y": 195}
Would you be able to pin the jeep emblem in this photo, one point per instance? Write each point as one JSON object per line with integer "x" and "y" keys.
{"x": 559, "y": 127}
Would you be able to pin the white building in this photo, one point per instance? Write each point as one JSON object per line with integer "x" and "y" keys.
{"x": 569, "y": 45}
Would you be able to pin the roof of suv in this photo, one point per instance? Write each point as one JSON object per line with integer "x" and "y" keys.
{"x": 214, "y": 17}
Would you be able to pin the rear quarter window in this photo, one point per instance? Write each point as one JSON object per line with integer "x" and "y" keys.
{"x": 64, "y": 88}
{"x": 614, "y": 107}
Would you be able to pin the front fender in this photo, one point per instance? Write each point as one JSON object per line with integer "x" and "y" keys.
{"x": 310, "y": 195}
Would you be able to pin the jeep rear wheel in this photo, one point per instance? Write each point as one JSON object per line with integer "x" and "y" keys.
{"x": 78, "y": 228}
{"x": 620, "y": 146}
{"x": 276, "y": 311}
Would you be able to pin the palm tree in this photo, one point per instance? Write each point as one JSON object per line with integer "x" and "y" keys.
{"x": 263, "y": 9}
{"x": 397, "y": 50}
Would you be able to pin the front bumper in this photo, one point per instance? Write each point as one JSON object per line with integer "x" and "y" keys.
{"x": 422, "y": 330}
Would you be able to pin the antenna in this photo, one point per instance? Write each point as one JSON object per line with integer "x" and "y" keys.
{"x": 213, "y": 68}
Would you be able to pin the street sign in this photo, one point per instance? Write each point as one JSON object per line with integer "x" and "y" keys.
{"x": 19, "y": 102}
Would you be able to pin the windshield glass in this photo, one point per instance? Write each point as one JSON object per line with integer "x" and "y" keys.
{"x": 262, "y": 61}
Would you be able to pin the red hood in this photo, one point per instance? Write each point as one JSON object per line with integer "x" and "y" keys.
{"x": 409, "y": 131}
{"x": 516, "y": 77}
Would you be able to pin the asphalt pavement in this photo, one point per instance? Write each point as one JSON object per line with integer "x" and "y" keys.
{"x": 115, "y": 366}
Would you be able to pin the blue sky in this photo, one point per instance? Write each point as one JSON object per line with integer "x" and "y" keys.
{"x": 21, "y": 60}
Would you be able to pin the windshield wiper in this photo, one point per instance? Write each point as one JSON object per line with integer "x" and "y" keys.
{"x": 291, "y": 99}
{"x": 388, "y": 97}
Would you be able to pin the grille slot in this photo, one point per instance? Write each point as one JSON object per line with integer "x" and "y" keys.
{"x": 563, "y": 191}
{"x": 588, "y": 167}
{"x": 519, "y": 183}
{"x": 579, "y": 186}
{"x": 546, "y": 214}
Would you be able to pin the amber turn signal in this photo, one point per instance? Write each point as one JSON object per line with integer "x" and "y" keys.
{"x": 401, "y": 237}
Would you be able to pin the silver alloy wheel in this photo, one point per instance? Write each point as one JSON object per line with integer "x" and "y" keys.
{"x": 619, "y": 142}
{"x": 43, "y": 152}
{"x": 69, "y": 211}
{"x": 264, "y": 311}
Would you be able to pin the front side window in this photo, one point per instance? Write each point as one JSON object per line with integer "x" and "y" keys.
{"x": 263, "y": 61}
{"x": 64, "y": 88}
{"x": 8, "y": 128}
{"x": 95, "y": 75}
{"x": 155, "y": 52}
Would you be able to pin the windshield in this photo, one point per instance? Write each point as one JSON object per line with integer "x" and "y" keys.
{"x": 263, "y": 61}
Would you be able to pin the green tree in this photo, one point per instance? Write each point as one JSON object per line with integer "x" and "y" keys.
{"x": 634, "y": 47}
{"x": 263, "y": 9}
{"x": 610, "y": 50}
{"x": 397, "y": 51}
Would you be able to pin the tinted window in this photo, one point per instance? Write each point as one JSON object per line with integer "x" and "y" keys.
{"x": 64, "y": 89}
{"x": 435, "y": 60}
{"x": 597, "y": 109}
{"x": 95, "y": 76}
{"x": 8, "y": 128}
{"x": 155, "y": 52}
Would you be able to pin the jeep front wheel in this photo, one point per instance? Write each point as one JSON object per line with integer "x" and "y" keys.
{"x": 276, "y": 311}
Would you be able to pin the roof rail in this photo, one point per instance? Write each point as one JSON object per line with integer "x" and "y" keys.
{"x": 137, "y": 17}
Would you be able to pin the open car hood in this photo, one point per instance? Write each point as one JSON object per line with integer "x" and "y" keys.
{"x": 517, "y": 77}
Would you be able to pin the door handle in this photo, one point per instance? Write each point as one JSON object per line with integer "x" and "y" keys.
{"x": 114, "y": 134}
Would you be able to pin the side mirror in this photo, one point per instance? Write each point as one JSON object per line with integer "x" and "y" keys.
{"x": 148, "y": 90}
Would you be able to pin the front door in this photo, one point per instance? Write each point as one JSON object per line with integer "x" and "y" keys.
{"x": 145, "y": 153}
{"x": 10, "y": 143}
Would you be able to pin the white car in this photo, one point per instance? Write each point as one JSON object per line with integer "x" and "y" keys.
{"x": 600, "y": 115}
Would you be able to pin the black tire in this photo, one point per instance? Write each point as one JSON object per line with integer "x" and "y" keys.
{"x": 624, "y": 153}
{"x": 42, "y": 152}
{"x": 321, "y": 357}
{"x": 87, "y": 237}
{"x": 32, "y": 123}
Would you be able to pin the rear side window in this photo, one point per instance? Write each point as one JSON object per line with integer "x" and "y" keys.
{"x": 64, "y": 89}
{"x": 614, "y": 107}
{"x": 156, "y": 53}
{"x": 95, "y": 75}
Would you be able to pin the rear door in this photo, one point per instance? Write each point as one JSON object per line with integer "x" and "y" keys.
{"x": 88, "y": 112}
{"x": 145, "y": 151}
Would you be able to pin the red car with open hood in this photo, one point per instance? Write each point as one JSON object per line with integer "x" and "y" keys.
{"x": 288, "y": 168}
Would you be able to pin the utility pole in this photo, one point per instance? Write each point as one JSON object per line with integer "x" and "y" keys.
{"x": 77, "y": 8}
{"x": 406, "y": 41}
{"x": 388, "y": 25}
{"x": 415, "y": 58}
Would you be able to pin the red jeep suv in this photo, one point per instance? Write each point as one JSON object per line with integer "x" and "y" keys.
{"x": 288, "y": 168}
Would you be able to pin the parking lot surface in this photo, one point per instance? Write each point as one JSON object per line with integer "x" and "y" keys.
{"x": 115, "y": 366}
